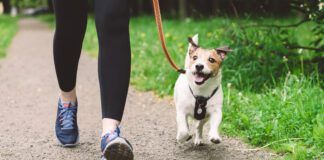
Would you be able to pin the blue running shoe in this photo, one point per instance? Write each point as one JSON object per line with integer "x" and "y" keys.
{"x": 66, "y": 127}
{"x": 114, "y": 147}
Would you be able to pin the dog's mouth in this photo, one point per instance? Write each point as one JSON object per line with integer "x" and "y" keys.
{"x": 200, "y": 77}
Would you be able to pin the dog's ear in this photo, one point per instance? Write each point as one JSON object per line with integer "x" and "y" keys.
{"x": 193, "y": 43}
{"x": 195, "y": 39}
{"x": 223, "y": 51}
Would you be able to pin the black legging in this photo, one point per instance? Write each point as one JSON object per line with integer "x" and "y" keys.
{"x": 112, "y": 23}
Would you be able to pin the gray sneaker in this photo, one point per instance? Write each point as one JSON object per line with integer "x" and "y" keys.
{"x": 114, "y": 147}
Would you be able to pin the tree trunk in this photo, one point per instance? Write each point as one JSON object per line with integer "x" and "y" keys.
{"x": 6, "y": 6}
{"x": 182, "y": 9}
{"x": 50, "y": 6}
{"x": 134, "y": 7}
{"x": 140, "y": 6}
{"x": 215, "y": 7}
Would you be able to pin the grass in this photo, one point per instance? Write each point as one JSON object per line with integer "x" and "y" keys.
{"x": 269, "y": 99}
{"x": 294, "y": 109}
{"x": 8, "y": 28}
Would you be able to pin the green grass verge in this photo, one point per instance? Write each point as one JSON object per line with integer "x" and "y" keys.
{"x": 291, "y": 116}
{"x": 8, "y": 28}
{"x": 263, "y": 105}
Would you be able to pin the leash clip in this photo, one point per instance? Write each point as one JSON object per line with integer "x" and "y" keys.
{"x": 182, "y": 71}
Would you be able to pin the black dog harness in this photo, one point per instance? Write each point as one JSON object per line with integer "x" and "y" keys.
{"x": 200, "y": 105}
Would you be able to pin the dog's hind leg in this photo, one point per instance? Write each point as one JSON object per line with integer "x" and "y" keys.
{"x": 183, "y": 129}
{"x": 199, "y": 131}
{"x": 215, "y": 120}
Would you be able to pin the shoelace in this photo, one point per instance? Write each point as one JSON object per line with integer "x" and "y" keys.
{"x": 108, "y": 137}
{"x": 67, "y": 117}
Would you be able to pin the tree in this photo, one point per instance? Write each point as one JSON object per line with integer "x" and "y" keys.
{"x": 215, "y": 6}
{"x": 6, "y": 6}
{"x": 50, "y": 5}
{"x": 183, "y": 8}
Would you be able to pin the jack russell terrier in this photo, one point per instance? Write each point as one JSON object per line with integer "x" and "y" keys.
{"x": 198, "y": 93}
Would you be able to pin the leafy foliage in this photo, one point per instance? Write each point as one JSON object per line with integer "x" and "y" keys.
{"x": 29, "y": 3}
{"x": 312, "y": 12}
{"x": 312, "y": 9}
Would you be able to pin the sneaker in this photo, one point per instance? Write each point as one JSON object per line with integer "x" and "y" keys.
{"x": 66, "y": 127}
{"x": 114, "y": 147}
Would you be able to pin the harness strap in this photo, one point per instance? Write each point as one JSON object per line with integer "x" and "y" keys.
{"x": 158, "y": 20}
{"x": 213, "y": 93}
{"x": 200, "y": 104}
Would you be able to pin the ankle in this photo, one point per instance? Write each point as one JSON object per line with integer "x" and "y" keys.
{"x": 68, "y": 96}
{"x": 109, "y": 125}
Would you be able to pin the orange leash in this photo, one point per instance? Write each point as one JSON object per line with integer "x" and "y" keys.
{"x": 158, "y": 20}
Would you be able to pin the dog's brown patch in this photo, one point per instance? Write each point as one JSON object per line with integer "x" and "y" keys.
{"x": 212, "y": 59}
{"x": 218, "y": 61}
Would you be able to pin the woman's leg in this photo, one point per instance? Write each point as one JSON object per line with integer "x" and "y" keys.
{"x": 71, "y": 21}
{"x": 112, "y": 22}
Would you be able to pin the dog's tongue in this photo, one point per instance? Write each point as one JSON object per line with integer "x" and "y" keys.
{"x": 199, "y": 78}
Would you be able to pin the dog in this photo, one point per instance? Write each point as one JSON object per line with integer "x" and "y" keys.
{"x": 198, "y": 93}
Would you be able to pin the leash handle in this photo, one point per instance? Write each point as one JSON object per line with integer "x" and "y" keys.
{"x": 158, "y": 20}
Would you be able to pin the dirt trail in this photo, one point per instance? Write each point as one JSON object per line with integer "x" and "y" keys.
{"x": 28, "y": 97}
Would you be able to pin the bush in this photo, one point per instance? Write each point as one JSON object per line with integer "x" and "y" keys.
{"x": 257, "y": 59}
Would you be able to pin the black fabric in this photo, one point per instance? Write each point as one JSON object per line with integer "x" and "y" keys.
{"x": 112, "y": 23}
{"x": 200, "y": 104}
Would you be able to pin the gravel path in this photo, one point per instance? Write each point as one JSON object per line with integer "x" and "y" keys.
{"x": 28, "y": 97}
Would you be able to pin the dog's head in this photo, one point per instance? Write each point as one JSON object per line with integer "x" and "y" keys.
{"x": 204, "y": 63}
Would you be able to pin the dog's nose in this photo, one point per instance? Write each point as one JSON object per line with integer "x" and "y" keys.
{"x": 199, "y": 67}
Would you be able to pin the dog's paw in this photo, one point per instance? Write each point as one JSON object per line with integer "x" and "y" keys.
{"x": 215, "y": 139}
{"x": 198, "y": 142}
{"x": 183, "y": 137}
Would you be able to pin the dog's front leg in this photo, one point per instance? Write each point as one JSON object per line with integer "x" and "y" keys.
{"x": 199, "y": 130}
{"x": 215, "y": 120}
{"x": 183, "y": 129}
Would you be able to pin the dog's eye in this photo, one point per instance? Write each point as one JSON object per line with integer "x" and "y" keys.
{"x": 211, "y": 60}
{"x": 194, "y": 58}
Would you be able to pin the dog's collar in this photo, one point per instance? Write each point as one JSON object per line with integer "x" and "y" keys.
{"x": 200, "y": 104}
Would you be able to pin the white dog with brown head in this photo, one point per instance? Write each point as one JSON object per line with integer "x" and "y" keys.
{"x": 198, "y": 93}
